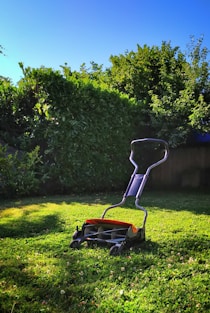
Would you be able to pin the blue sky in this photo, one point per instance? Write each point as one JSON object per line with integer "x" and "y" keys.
{"x": 52, "y": 32}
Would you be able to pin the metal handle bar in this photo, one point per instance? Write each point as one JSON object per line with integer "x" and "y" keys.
{"x": 145, "y": 176}
{"x": 161, "y": 141}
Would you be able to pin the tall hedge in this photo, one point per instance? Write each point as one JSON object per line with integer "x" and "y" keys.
{"x": 88, "y": 138}
{"x": 83, "y": 121}
{"x": 83, "y": 131}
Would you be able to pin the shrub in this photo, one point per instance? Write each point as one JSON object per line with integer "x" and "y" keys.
{"x": 18, "y": 172}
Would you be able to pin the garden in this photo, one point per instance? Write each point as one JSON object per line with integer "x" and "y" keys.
{"x": 169, "y": 272}
{"x": 64, "y": 145}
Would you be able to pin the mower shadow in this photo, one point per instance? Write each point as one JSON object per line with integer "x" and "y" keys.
{"x": 197, "y": 203}
{"x": 144, "y": 247}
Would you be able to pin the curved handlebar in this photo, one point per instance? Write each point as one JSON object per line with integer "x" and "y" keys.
{"x": 143, "y": 177}
{"x": 161, "y": 141}
{"x": 151, "y": 140}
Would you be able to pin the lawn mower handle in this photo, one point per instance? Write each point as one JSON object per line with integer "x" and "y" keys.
{"x": 146, "y": 175}
{"x": 143, "y": 177}
{"x": 161, "y": 141}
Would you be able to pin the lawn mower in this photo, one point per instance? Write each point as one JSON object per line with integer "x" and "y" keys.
{"x": 118, "y": 234}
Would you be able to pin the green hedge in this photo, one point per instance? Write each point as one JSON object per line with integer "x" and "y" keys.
{"x": 83, "y": 132}
{"x": 18, "y": 172}
{"x": 88, "y": 140}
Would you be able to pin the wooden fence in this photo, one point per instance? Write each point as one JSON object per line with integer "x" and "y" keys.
{"x": 186, "y": 167}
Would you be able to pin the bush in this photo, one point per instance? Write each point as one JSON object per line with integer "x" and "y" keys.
{"x": 83, "y": 130}
{"x": 18, "y": 172}
{"x": 88, "y": 140}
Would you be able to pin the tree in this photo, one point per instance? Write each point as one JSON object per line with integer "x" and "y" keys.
{"x": 1, "y": 49}
{"x": 175, "y": 115}
{"x": 2, "y": 78}
{"x": 172, "y": 90}
{"x": 148, "y": 69}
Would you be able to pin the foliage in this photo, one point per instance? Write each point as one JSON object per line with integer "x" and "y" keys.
{"x": 175, "y": 92}
{"x": 148, "y": 69}
{"x": 169, "y": 273}
{"x": 2, "y": 54}
{"x": 1, "y": 49}
{"x": 18, "y": 172}
{"x": 179, "y": 113}
{"x": 7, "y": 108}
{"x": 83, "y": 121}
{"x": 76, "y": 125}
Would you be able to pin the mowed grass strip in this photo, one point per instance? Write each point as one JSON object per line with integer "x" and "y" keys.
{"x": 168, "y": 273}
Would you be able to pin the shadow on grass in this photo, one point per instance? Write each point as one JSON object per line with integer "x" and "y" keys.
{"x": 14, "y": 274}
{"x": 27, "y": 292}
{"x": 146, "y": 246}
{"x": 83, "y": 272}
{"x": 195, "y": 202}
{"x": 80, "y": 274}
{"x": 23, "y": 227}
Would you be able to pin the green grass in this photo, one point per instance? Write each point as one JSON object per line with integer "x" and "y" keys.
{"x": 168, "y": 273}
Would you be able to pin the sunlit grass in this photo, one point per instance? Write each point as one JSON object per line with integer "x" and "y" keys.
{"x": 168, "y": 273}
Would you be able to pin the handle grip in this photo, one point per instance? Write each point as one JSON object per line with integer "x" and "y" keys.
{"x": 161, "y": 141}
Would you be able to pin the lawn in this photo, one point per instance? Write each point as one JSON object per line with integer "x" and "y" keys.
{"x": 168, "y": 273}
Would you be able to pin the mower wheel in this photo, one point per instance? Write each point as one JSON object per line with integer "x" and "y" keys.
{"x": 90, "y": 243}
{"x": 74, "y": 244}
{"x": 77, "y": 233}
{"x": 115, "y": 250}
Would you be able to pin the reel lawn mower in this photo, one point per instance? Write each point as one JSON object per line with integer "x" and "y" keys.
{"x": 118, "y": 234}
